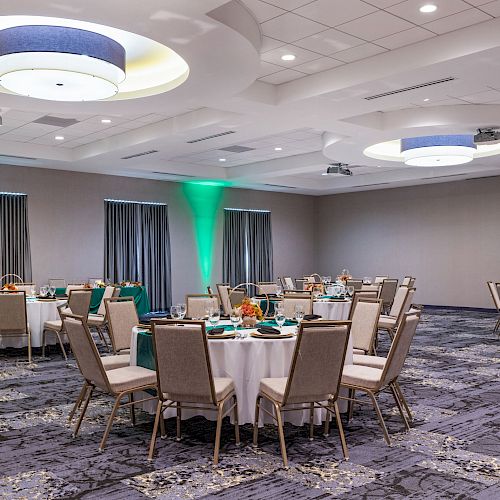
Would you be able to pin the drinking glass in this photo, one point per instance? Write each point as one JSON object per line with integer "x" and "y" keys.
{"x": 280, "y": 319}
{"x": 174, "y": 312}
{"x": 43, "y": 291}
{"x": 235, "y": 319}
{"x": 52, "y": 290}
{"x": 279, "y": 291}
{"x": 350, "y": 290}
{"x": 182, "y": 310}
{"x": 214, "y": 316}
{"x": 299, "y": 314}
{"x": 32, "y": 291}
{"x": 367, "y": 280}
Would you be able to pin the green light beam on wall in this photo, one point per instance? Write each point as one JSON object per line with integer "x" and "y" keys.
{"x": 204, "y": 198}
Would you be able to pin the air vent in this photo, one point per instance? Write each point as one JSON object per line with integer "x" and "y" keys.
{"x": 173, "y": 175}
{"x": 144, "y": 153}
{"x": 369, "y": 185}
{"x": 211, "y": 136}
{"x": 56, "y": 121}
{"x": 279, "y": 186}
{"x": 413, "y": 87}
{"x": 237, "y": 149}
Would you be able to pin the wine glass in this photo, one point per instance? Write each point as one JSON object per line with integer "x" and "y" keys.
{"x": 174, "y": 312}
{"x": 43, "y": 291}
{"x": 367, "y": 280}
{"x": 235, "y": 318}
{"x": 214, "y": 316}
{"x": 350, "y": 290}
{"x": 299, "y": 313}
{"x": 280, "y": 318}
{"x": 279, "y": 291}
{"x": 52, "y": 290}
{"x": 182, "y": 310}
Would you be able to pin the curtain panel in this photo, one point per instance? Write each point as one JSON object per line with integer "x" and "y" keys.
{"x": 15, "y": 251}
{"x": 247, "y": 246}
{"x": 137, "y": 248}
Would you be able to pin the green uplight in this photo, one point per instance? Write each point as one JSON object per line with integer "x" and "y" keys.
{"x": 204, "y": 199}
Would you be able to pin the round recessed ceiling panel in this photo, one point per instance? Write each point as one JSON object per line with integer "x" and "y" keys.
{"x": 69, "y": 60}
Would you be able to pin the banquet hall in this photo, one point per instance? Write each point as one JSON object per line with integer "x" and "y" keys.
{"x": 249, "y": 249}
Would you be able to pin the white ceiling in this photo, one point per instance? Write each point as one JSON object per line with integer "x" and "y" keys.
{"x": 314, "y": 108}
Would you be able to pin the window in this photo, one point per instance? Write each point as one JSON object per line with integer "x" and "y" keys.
{"x": 15, "y": 253}
{"x": 137, "y": 247}
{"x": 248, "y": 246}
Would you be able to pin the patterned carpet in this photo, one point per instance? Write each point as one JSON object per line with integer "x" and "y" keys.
{"x": 451, "y": 381}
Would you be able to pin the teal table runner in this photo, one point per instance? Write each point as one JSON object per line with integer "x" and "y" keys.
{"x": 139, "y": 294}
{"x": 145, "y": 356}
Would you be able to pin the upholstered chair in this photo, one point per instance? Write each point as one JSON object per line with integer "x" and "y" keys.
{"x": 401, "y": 305}
{"x": 267, "y": 287}
{"x": 494, "y": 290}
{"x": 223, "y": 292}
{"x": 356, "y": 284}
{"x": 364, "y": 319}
{"x": 99, "y": 320}
{"x": 196, "y": 305}
{"x": 58, "y": 282}
{"x": 388, "y": 292}
{"x": 121, "y": 315}
{"x": 13, "y": 317}
{"x": 291, "y": 301}
{"x": 366, "y": 294}
{"x": 379, "y": 279}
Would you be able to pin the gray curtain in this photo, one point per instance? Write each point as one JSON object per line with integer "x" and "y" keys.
{"x": 15, "y": 252}
{"x": 248, "y": 246}
{"x": 137, "y": 248}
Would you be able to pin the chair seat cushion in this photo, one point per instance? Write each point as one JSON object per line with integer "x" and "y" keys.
{"x": 358, "y": 351}
{"x": 361, "y": 376}
{"x": 95, "y": 319}
{"x": 386, "y": 321}
{"x": 274, "y": 387}
{"x": 115, "y": 361}
{"x": 373, "y": 361}
{"x": 129, "y": 377}
{"x": 223, "y": 386}
{"x": 55, "y": 325}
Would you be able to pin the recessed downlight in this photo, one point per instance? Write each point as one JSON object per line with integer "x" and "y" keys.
{"x": 428, "y": 8}
{"x": 278, "y": 149}
{"x": 426, "y": 100}
{"x": 59, "y": 138}
{"x": 288, "y": 57}
{"x": 105, "y": 120}
{"x": 222, "y": 159}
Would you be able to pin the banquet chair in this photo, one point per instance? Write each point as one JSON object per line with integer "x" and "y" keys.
{"x": 387, "y": 293}
{"x": 494, "y": 290}
{"x": 185, "y": 378}
{"x": 300, "y": 284}
{"x": 356, "y": 284}
{"x": 118, "y": 383}
{"x": 380, "y": 279}
{"x": 57, "y": 282}
{"x": 406, "y": 281}
{"x": 365, "y": 294}
{"x": 372, "y": 380}
{"x": 364, "y": 318}
{"x": 371, "y": 288}
{"x": 269, "y": 287}
{"x": 291, "y": 301}
{"x": 25, "y": 287}
{"x": 121, "y": 316}
{"x": 236, "y": 296}
{"x": 287, "y": 283}
{"x": 13, "y": 316}
{"x": 401, "y": 305}
{"x": 75, "y": 286}
{"x": 293, "y": 293}
{"x": 99, "y": 320}
{"x": 314, "y": 379}
{"x": 223, "y": 292}
{"x": 197, "y": 304}
{"x": 79, "y": 304}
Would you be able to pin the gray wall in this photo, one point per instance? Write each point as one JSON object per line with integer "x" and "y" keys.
{"x": 446, "y": 235}
{"x": 66, "y": 218}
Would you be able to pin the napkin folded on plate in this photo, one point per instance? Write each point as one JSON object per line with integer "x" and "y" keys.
{"x": 311, "y": 317}
{"x": 268, "y": 330}
{"x": 216, "y": 331}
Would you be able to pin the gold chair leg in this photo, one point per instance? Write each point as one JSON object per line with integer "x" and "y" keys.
{"x": 281, "y": 434}
{"x": 220, "y": 407}
{"x": 345, "y": 451}
{"x": 236, "y": 422}
{"x": 178, "y": 421}
{"x": 158, "y": 418}
{"x": 311, "y": 422}
{"x": 350, "y": 404}
{"x": 84, "y": 410}
{"x": 29, "y": 348}
{"x": 497, "y": 326}
{"x": 380, "y": 417}
{"x": 43, "y": 343}
{"x": 256, "y": 420}
{"x": 132, "y": 408}
{"x": 403, "y": 400}
{"x": 398, "y": 404}
{"x": 78, "y": 402}
{"x": 326, "y": 431}
{"x": 103, "y": 338}
{"x": 62, "y": 346}
{"x": 110, "y": 422}
{"x": 163, "y": 432}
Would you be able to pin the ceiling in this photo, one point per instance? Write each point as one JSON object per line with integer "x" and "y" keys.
{"x": 249, "y": 119}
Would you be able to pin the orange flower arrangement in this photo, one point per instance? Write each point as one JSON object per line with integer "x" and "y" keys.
{"x": 10, "y": 286}
{"x": 250, "y": 309}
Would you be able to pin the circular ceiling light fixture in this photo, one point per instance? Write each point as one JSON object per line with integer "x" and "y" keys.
{"x": 438, "y": 150}
{"x": 288, "y": 57}
{"x": 70, "y": 60}
{"x": 428, "y": 8}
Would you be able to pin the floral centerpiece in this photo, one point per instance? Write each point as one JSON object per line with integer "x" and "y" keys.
{"x": 10, "y": 287}
{"x": 344, "y": 276}
{"x": 129, "y": 283}
{"x": 250, "y": 312}
{"x": 99, "y": 284}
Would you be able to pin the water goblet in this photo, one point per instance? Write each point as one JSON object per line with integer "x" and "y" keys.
{"x": 299, "y": 314}
{"x": 280, "y": 319}
{"x": 52, "y": 291}
{"x": 174, "y": 312}
{"x": 214, "y": 316}
{"x": 43, "y": 291}
{"x": 182, "y": 310}
{"x": 350, "y": 290}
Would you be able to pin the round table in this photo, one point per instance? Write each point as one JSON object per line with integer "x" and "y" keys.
{"x": 335, "y": 309}
{"x": 247, "y": 361}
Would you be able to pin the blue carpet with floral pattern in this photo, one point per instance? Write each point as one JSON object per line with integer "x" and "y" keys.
{"x": 451, "y": 380}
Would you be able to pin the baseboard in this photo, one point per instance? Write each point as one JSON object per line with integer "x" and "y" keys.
{"x": 461, "y": 308}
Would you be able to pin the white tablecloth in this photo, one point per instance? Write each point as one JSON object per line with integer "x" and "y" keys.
{"x": 332, "y": 310}
{"x": 247, "y": 361}
{"x": 37, "y": 313}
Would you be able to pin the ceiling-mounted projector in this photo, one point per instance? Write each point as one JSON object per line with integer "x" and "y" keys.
{"x": 487, "y": 136}
{"x": 338, "y": 168}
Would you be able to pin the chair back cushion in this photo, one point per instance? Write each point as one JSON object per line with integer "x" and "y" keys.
{"x": 494, "y": 293}
{"x": 364, "y": 319}
{"x": 122, "y": 317}
{"x": 13, "y": 312}
{"x": 388, "y": 291}
{"x": 236, "y": 297}
{"x": 223, "y": 291}
{"x": 356, "y": 284}
{"x": 317, "y": 362}
{"x": 108, "y": 293}
{"x": 85, "y": 352}
{"x": 359, "y": 294}
{"x": 79, "y": 302}
{"x": 380, "y": 279}
{"x": 290, "y": 302}
{"x": 183, "y": 362}
{"x": 196, "y": 305}
{"x": 269, "y": 288}
{"x": 288, "y": 282}
{"x": 399, "y": 301}
{"x": 400, "y": 347}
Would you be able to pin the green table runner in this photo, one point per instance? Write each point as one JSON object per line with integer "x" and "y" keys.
{"x": 139, "y": 294}
{"x": 145, "y": 356}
